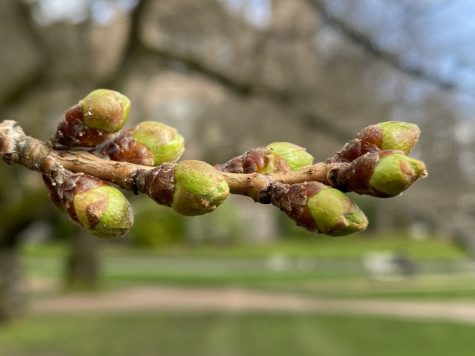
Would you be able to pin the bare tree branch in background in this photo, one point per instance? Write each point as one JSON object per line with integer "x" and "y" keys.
{"x": 285, "y": 99}
{"x": 131, "y": 49}
{"x": 392, "y": 59}
{"x": 244, "y": 87}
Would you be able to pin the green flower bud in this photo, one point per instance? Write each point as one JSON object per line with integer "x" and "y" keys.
{"x": 294, "y": 156}
{"x": 380, "y": 174}
{"x": 396, "y": 172}
{"x": 164, "y": 142}
{"x": 398, "y": 135}
{"x": 199, "y": 188}
{"x": 318, "y": 208}
{"x": 104, "y": 210}
{"x": 335, "y": 214}
{"x": 390, "y": 135}
{"x": 105, "y": 110}
{"x": 90, "y": 202}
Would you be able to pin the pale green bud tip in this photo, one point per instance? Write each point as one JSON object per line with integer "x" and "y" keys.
{"x": 395, "y": 173}
{"x": 199, "y": 188}
{"x": 398, "y": 135}
{"x": 165, "y": 143}
{"x": 105, "y": 110}
{"x": 335, "y": 213}
{"x": 104, "y": 211}
{"x": 295, "y": 156}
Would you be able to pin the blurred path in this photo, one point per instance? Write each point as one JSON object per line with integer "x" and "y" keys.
{"x": 234, "y": 300}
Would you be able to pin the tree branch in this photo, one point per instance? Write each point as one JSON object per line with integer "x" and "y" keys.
{"x": 247, "y": 88}
{"x": 374, "y": 163}
{"x": 17, "y": 147}
{"x": 241, "y": 87}
{"x": 131, "y": 48}
{"x": 350, "y": 169}
{"x": 374, "y": 49}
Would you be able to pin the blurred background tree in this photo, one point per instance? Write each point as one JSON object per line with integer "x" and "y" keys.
{"x": 236, "y": 74}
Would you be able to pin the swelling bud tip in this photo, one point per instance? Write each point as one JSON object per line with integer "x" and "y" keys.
{"x": 199, "y": 188}
{"x": 91, "y": 202}
{"x": 395, "y": 172}
{"x": 397, "y": 135}
{"x": 295, "y": 157}
{"x": 381, "y": 174}
{"x": 335, "y": 213}
{"x": 319, "y": 208}
{"x": 105, "y": 110}
{"x": 164, "y": 142}
{"x": 150, "y": 143}
{"x": 104, "y": 211}
{"x": 389, "y": 135}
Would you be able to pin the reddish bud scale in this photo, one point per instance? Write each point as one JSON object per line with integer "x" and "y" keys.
{"x": 255, "y": 160}
{"x": 319, "y": 208}
{"x": 158, "y": 183}
{"x": 91, "y": 202}
{"x": 293, "y": 201}
{"x": 124, "y": 148}
{"x": 72, "y": 132}
{"x": 355, "y": 176}
{"x": 54, "y": 194}
{"x": 150, "y": 143}
{"x": 368, "y": 140}
{"x": 62, "y": 191}
{"x": 249, "y": 162}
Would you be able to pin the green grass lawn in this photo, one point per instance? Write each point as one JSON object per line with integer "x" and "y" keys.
{"x": 323, "y": 268}
{"x": 329, "y": 268}
{"x": 327, "y": 279}
{"x": 323, "y": 247}
{"x": 221, "y": 334}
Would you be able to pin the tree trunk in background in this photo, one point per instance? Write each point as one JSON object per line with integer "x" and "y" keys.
{"x": 82, "y": 263}
{"x": 12, "y": 294}
{"x": 12, "y": 288}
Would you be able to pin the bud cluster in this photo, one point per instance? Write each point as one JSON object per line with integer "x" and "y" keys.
{"x": 375, "y": 163}
{"x": 92, "y": 124}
